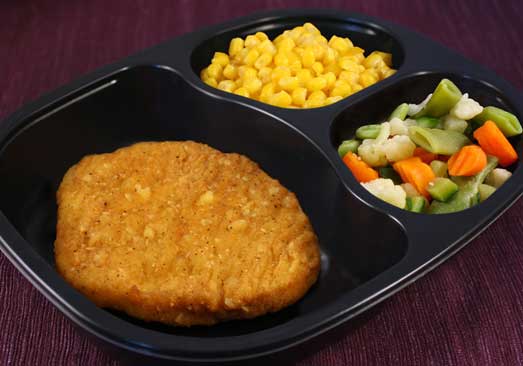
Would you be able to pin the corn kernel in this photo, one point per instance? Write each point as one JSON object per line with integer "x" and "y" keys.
{"x": 331, "y": 100}
{"x": 316, "y": 83}
{"x": 252, "y": 85}
{"x": 220, "y": 58}
{"x": 211, "y": 82}
{"x": 357, "y": 53}
{"x": 341, "y": 45}
{"x": 295, "y": 66}
{"x": 235, "y": 46}
{"x": 264, "y": 74}
{"x": 373, "y": 61}
{"x": 267, "y": 47}
{"x": 313, "y": 103}
{"x": 388, "y": 73}
{"x": 214, "y": 71}
{"x": 307, "y": 59}
{"x": 288, "y": 83}
{"x": 227, "y": 85}
{"x": 330, "y": 78}
{"x": 230, "y": 72}
{"x": 318, "y": 94}
{"x": 303, "y": 76}
{"x": 262, "y": 36}
{"x": 262, "y": 61}
{"x": 341, "y": 90}
{"x": 348, "y": 64}
{"x": 281, "y": 99}
{"x": 281, "y": 59}
{"x": 296, "y": 32}
{"x": 351, "y": 77}
{"x": 266, "y": 92}
{"x": 203, "y": 74}
{"x": 251, "y": 41}
{"x": 278, "y": 39}
{"x": 242, "y": 91}
{"x": 309, "y": 27}
{"x": 280, "y": 71}
{"x": 386, "y": 57}
{"x": 251, "y": 57}
{"x": 299, "y": 96}
{"x": 356, "y": 88}
{"x": 321, "y": 40}
{"x": 319, "y": 51}
{"x": 286, "y": 45}
{"x": 240, "y": 56}
{"x": 334, "y": 68}
{"x": 305, "y": 40}
{"x": 317, "y": 67}
{"x": 246, "y": 72}
{"x": 331, "y": 55}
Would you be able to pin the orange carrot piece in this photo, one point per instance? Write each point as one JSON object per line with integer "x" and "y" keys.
{"x": 493, "y": 142}
{"x": 424, "y": 155}
{"x": 360, "y": 169}
{"x": 414, "y": 171}
{"x": 468, "y": 161}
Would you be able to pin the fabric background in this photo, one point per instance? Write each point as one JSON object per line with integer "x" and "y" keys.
{"x": 469, "y": 311}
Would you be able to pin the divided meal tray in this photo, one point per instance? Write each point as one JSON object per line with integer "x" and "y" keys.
{"x": 369, "y": 248}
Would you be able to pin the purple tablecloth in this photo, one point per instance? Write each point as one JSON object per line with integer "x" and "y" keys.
{"x": 469, "y": 311}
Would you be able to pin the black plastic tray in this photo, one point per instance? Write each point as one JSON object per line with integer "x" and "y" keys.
{"x": 370, "y": 249}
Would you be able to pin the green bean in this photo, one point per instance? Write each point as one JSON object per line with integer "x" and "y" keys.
{"x": 507, "y": 122}
{"x": 400, "y": 112}
{"x": 348, "y": 145}
{"x": 468, "y": 193}
{"x": 438, "y": 141}
{"x": 428, "y": 122}
{"x": 368, "y": 132}
{"x": 485, "y": 191}
{"x": 442, "y": 189}
{"x": 389, "y": 173}
{"x": 446, "y": 95}
{"x": 415, "y": 204}
{"x": 439, "y": 168}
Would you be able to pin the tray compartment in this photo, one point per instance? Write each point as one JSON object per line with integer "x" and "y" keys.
{"x": 152, "y": 104}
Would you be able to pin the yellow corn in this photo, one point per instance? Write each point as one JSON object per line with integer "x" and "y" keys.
{"x": 281, "y": 99}
{"x": 317, "y": 67}
{"x": 264, "y": 74}
{"x": 316, "y": 83}
{"x": 230, "y": 72}
{"x": 235, "y": 46}
{"x": 251, "y": 41}
{"x": 227, "y": 85}
{"x": 300, "y": 68}
{"x": 242, "y": 91}
{"x": 288, "y": 83}
{"x": 262, "y": 61}
{"x": 299, "y": 96}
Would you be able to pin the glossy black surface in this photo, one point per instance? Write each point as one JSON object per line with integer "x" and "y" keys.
{"x": 369, "y": 248}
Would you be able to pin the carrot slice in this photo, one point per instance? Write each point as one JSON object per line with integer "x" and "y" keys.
{"x": 424, "y": 155}
{"x": 468, "y": 161}
{"x": 360, "y": 169}
{"x": 493, "y": 142}
{"x": 414, "y": 171}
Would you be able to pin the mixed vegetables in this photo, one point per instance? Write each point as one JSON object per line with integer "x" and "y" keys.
{"x": 439, "y": 156}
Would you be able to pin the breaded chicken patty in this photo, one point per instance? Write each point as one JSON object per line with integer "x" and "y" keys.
{"x": 181, "y": 233}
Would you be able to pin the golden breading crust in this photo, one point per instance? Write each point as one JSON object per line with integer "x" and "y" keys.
{"x": 184, "y": 234}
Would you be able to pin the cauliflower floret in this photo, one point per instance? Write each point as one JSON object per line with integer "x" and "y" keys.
{"x": 410, "y": 190}
{"x": 415, "y": 108}
{"x": 371, "y": 150}
{"x": 398, "y": 148}
{"x": 372, "y": 153}
{"x": 453, "y": 123}
{"x": 466, "y": 108}
{"x": 399, "y": 127}
{"x": 387, "y": 191}
{"x": 497, "y": 177}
